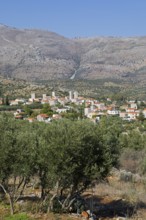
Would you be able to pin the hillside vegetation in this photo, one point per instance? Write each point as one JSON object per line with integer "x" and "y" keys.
{"x": 100, "y": 167}
{"x": 15, "y": 88}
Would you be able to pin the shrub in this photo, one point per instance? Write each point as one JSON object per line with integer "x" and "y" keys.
{"x": 21, "y": 216}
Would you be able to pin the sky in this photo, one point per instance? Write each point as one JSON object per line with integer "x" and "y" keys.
{"x": 77, "y": 18}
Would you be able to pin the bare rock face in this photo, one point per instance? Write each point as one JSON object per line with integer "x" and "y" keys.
{"x": 37, "y": 55}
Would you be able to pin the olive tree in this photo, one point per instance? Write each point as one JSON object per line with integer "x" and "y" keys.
{"x": 15, "y": 157}
{"x": 75, "y": 154}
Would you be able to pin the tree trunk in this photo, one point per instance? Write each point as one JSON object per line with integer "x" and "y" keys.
{"x": 66, "y": 201}
{"x": 42, "y": 193}
{"x": 50, "y": 207}
{"x": 11, "y": 204}
{"x": 9, "y": 198}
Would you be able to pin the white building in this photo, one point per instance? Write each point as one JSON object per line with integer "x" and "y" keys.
{"x": 113, "y": 112}
{"x": 14, "y": 102}
{"x": 87, "y": 111}
{"x": 32, "y": 96}
{"x": 42, "y": 117}
{"x": 52, "y": 102}
{"x": 70, "y": 95}
{"x": 44, "y": 97}
{"x": 133, "y": 105}
{"x": 75, "y": 95}
{"x": 53, "y": 94}
{"x": 144, "y": 112}
{"x": 60, "y": 110}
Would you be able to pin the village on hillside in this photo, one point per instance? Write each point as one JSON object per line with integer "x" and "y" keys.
{"x": 90, "y": 108}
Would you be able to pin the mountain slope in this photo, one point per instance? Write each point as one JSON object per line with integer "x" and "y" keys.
{"x": 121, "y": 58}
{"x": 38, "y": 55}
{"x": 34, "y": 54}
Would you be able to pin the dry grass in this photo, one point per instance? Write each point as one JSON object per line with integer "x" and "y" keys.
{"x": 108, "y": 200}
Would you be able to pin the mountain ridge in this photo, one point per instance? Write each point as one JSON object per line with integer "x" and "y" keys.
{"x": 38, "y": 55}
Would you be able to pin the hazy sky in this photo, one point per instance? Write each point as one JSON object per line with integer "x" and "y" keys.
{"x": 77, "y": 18}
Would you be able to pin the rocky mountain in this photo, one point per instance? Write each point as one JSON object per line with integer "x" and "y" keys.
{"x": 109, "y": 57}
{"x": 35, "y": 54}
{"x": 38, "y": 55}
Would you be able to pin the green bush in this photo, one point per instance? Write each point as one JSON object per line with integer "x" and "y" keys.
{"x": 21, "y": 216}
